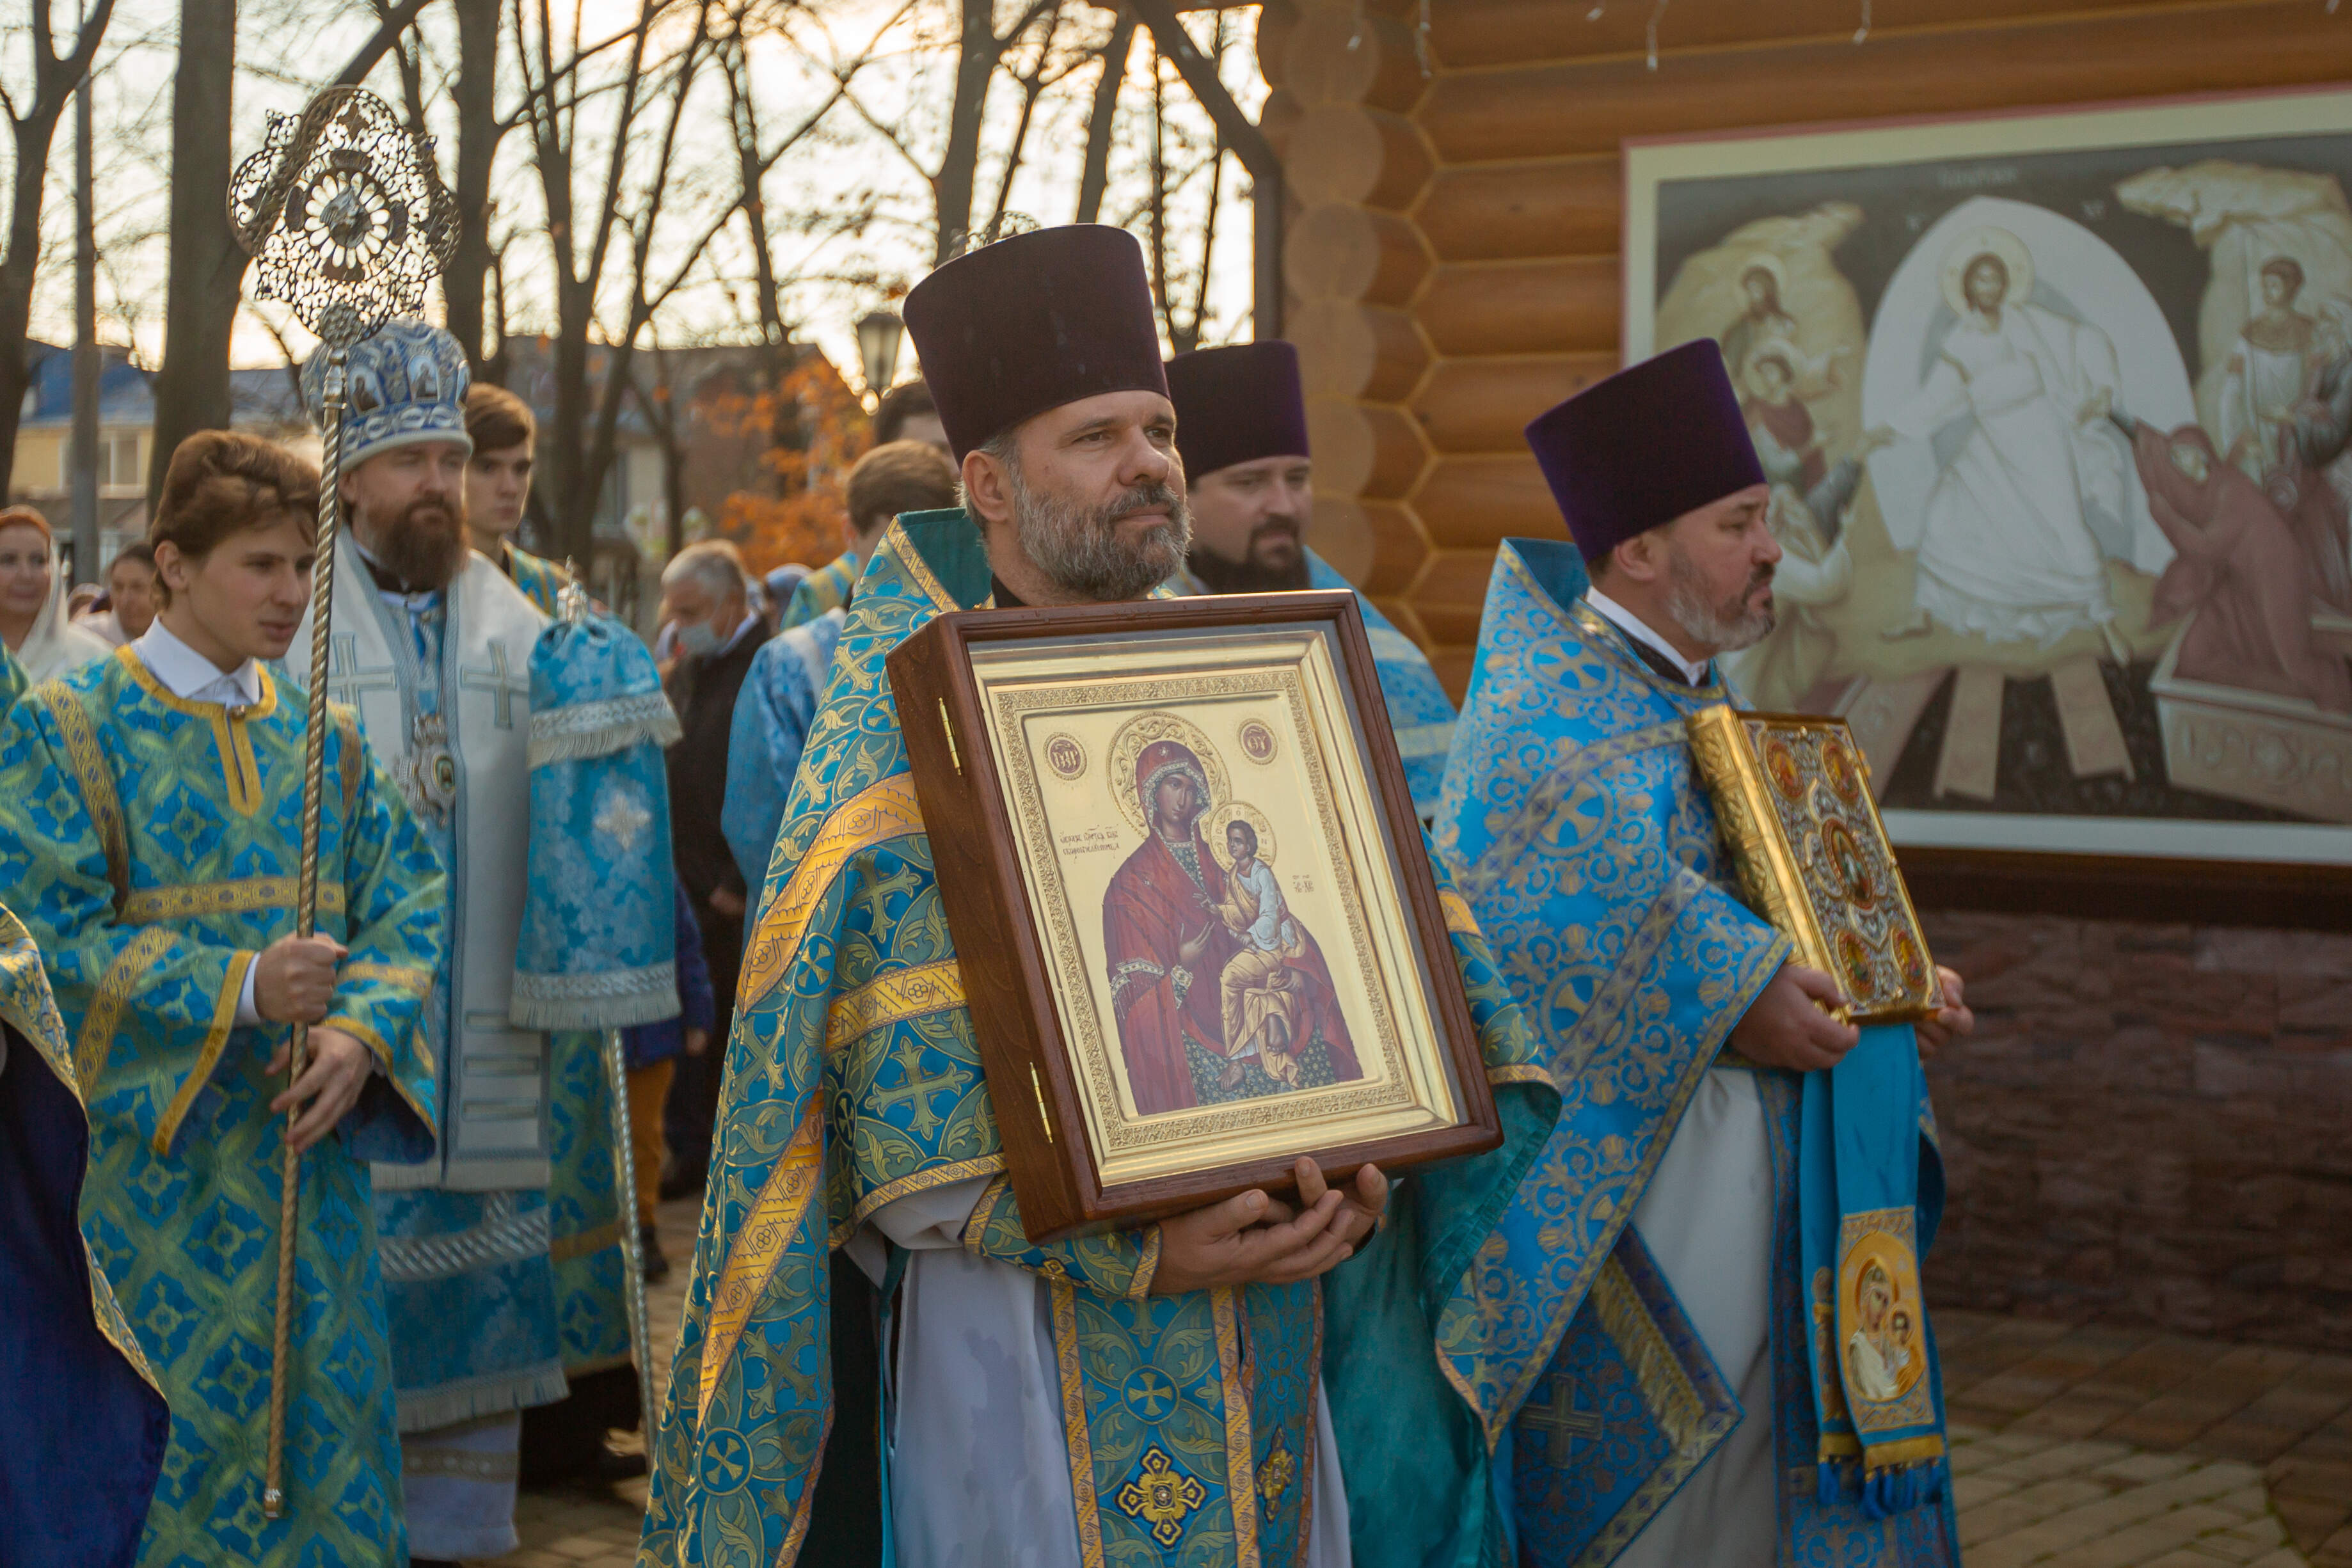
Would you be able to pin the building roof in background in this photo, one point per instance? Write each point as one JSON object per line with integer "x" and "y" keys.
{"x": 122, "y": 388}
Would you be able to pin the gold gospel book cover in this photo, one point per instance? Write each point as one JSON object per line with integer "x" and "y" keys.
{"x": 1793, "y": 796}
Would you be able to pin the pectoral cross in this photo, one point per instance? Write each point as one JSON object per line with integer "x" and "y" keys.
{"x": 502, "y": 683}
{"x": 1559, "y": 1422}
{"x": 344, "y": 682}
{"x": 920, "y": 1085}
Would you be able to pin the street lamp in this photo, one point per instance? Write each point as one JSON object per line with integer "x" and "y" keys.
{"x": 879, "y": 332}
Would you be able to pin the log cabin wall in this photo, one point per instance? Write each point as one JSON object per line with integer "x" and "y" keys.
{"x": 2149, "y": 1125}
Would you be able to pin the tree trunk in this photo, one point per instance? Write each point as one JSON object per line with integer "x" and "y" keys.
{"x": 206, "y": 264}
{"x": 951, "y": 188}
{"x": 1100, "y": 120}
{"x": 206, "y": 275}
{"x": 465, "y": 286}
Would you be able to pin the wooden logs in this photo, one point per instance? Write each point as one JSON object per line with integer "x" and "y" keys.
{"x": 1352, "y": 350}
{"x": 1363, "y": 157}
{"x": 1335, "y": 252}
{"x": 1376, "y": 545}
{"x": 1381, "y": 69}
{"x": 1523, "y": 307}
{"x": 1364, "y": 449}
{"x": 1277, "y": 21}
{"x": 1484, "y": 404}
{"x": 1469, "y": 33}
{"x": 1560, "y": 206}
{"x": 1475, "y": 503}
{"x": 1452, "y": 589}
{"x": 1570, "y": 108}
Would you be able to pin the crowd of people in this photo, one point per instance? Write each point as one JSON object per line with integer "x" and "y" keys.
{"x": 1616, "y": 1338}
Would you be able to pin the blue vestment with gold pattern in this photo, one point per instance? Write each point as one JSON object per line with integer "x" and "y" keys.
{"x": 1420, "y": 714}
{"x": 827, "y": 588}
{"x": 152, "y": 844}
{"x": 85, "y": 1417}
{"x": 853, "y": 1081}
{"x": 541, "y": 580}
{"x": 1576, "y": 829}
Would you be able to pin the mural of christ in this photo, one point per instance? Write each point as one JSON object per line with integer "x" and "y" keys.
{"x": 1171, "y": 946}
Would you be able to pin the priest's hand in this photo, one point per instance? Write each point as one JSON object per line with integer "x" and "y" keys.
{"x": 1952, "y": 1019}
{"x": 1250, "y": 1239}
{"x": 331, "y": 1080}
{"x": 1786, "y": 1026}
{"x": 294, "y": 978}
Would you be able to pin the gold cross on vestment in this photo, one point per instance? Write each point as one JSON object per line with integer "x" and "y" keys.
{"x": 919, "y": 1086}
{"x": 1559, "y": 1422}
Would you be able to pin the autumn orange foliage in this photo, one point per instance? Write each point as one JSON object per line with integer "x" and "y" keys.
{"x": 803, "y": 522}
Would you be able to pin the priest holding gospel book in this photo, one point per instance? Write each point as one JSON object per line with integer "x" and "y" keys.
{"x": 1142, "y": 1394}
{"x": 1758, "y": 1325}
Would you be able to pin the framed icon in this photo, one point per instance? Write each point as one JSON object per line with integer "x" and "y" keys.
{"x": 1198, "y": 928}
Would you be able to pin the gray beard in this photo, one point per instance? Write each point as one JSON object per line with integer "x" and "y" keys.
{"x": 1726, "y": 628}
{"x": 1079, "y": 548}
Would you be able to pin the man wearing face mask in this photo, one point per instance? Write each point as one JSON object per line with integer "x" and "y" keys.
{"x": 708, "y": 596}
{"x": 1241, "y": 428}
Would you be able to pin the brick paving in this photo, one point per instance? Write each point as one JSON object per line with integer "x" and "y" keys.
{"x": 2073, "y": 1448}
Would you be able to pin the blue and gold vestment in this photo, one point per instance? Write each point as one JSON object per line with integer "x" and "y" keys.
{"x": 1577, "y": 830}
{"x": 85, "y": 1418}
{"x": 1420, "y": 714}
{"x": 153, "y": 844}
{"x": 829, "y": 587}
{"x": 853, "y": 1081}
{"x": 541, "y": 581}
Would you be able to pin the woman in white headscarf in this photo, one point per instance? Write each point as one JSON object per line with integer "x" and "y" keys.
{"x": 43, "y": 641}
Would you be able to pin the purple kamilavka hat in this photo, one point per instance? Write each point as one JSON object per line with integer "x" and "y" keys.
{"x": 1638, "y": 449}
{"x": 1030, "y": 323}
{"x": 1237, "y": 404}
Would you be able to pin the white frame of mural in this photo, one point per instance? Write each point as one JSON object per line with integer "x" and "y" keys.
{"x": 1650, "y": 165}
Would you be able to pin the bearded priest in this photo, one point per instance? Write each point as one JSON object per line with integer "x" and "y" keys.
{"x": 1051, "y": 1403}
{"x": 1663, "y": 1398}
{"x": 151, "y": 830}
{"x": 1241, "y": 427}
{"x": 431, "y": 645}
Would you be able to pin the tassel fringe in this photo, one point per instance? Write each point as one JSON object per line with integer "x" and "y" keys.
{"x": 1884, "y": 1491}
{"x": 599, "y": 729}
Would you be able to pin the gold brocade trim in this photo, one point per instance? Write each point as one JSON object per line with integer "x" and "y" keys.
{"x": 239, "y": 769}
{"x": 1458, "y": 918}
{"x": 208, "y": 1054}
{"x": 354, "y": 757}
{"x": 1148, "y": 1266}
{"x": 1241, "y": 1443}
{"x": 94, "y": 779}
{"x": 884, "y": 811}
{"x": 105, "y": 1015}
{"x": 917, "y": 569}
{"x": 1075, "y": 1429}
{"x": 891, "y": 996}
{"x": 196, "y": 900}
{"x": 1904, "y": 1451}
{"x": 982, "y": 1212}
{"x": 563, "y": 1248}
{"x": 759, "y": 1245}
{"x": 1520, "y": 1072}
{"x": 381, "y": 1049}
{"x": 888, "y": 1193}
{"x": 400, "y": 978}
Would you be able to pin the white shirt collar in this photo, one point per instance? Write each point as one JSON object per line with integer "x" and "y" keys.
{"x": 190, "y": 676}
{"x": 1634, "y": 626}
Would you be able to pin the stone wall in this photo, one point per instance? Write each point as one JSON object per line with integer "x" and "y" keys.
{"x": 2153, "y": 1124}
